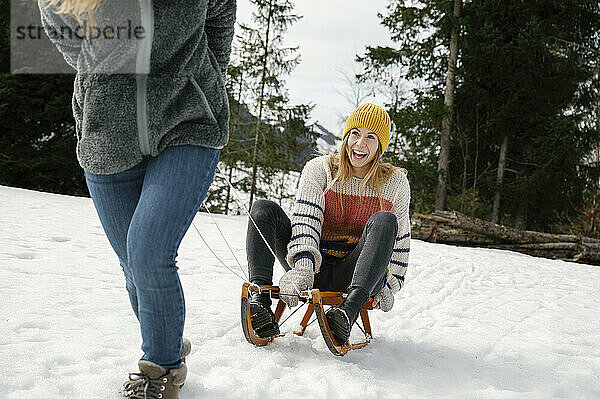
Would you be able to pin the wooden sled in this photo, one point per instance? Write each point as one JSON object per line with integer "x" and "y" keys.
{"x": 316, "y": 302}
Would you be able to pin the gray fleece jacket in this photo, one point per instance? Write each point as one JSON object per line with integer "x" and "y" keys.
{"x": 149, "y": 77}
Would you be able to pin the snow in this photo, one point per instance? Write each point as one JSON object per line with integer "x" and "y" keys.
{"x": 470, "y": 323}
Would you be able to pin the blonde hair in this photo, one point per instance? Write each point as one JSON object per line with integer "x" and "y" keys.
{"x": 341, "y": 169}
{"x": 77, "y": 8}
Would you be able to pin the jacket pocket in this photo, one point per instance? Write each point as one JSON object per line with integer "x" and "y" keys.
{"x": 203, "y": 100}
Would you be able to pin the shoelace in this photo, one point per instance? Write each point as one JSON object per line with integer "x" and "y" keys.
{"x": 141, "y": 386}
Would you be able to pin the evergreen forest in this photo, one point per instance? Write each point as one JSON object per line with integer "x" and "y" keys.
{"x": 495, "y": 109}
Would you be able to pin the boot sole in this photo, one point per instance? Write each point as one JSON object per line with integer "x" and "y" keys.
{"x": 263, "y": 321}
{"x": 338, "y": 324}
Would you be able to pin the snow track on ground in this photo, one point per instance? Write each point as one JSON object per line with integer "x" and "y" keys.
{"x": 470, "y": 323}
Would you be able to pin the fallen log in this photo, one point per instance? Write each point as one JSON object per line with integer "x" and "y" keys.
{"x": 451, "y": 227}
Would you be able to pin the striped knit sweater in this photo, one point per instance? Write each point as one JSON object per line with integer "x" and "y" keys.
{"x": 321, "y": 225}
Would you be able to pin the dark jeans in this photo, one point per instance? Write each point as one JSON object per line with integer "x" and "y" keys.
{"x": 365, "y": 267}
{"x": 145, "y": 212}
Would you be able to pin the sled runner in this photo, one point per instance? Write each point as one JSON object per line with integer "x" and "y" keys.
{"x": 316, "y": 301}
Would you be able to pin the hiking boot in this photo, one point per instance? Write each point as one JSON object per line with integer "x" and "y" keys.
{"x": 186, "y": 348}
{"x": 154, "y": 382}
{"x": 261, "y": 315}
{"x": 342, "y": 319}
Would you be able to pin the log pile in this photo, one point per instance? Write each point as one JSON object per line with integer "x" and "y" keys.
{"x": 457, "y": 229}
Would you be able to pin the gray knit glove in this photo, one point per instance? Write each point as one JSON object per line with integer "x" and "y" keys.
{"x": 301, "y": 277}
{"x": 384, "y": 299}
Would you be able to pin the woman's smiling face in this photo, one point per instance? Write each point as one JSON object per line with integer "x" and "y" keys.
{"x": 361, "y": 148}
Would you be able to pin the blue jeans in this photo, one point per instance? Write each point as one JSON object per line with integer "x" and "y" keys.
{"x": 145, "y": 212}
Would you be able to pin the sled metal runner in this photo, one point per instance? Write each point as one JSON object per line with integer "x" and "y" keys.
{"x": 316, "y": 302}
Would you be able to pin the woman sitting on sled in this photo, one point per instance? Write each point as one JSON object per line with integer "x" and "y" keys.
{"x": 350, "y": 230}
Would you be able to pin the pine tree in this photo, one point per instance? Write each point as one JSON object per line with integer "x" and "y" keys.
{"x": 427, "y": 45}
{"x": 524, "y": 82}
{"x": 524, "y": 85}
{"x": 285, "y": 138}
{"x": 37, "y": 144}
{"x": 440, "y": 196}
{"x": 265, "y": 40}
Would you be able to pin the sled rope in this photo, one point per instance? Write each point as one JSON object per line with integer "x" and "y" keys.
{"x": 293, "y": 313}
{"x": 240, "y": 203}
{"x": 313, "y": 320}
{"x": 361, "y": 329}
{"x": 217, "y": 256}
{"x": 226, "y": 242}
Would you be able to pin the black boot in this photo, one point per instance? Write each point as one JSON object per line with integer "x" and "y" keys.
{"x": 261, "y": 315}
{"x": 342, "y": 319}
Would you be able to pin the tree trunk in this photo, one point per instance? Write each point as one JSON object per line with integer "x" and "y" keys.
{"x": 281, "y": 187}
{"x": 236, "y": 126}
{"x": 464, "y": 176}
{"x": 594, "y": 216}
{"x": 395, "y": 112}
{"x": 228, "y": 191}
{"x": 499, "y": 180}
{"x": 476, "y": 145}
{"x": 260, "y": 107}
{"x": 521, "y": 217}
{"x": 597, "y": 156}
{"x": 460, "y": 223}
{"x": 440, "y": 195}
{"x": 595, "y": 204}
{"x": 458, "y": 229}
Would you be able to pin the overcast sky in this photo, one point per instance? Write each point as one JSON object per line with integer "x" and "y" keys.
{"x": 330, "y": 34}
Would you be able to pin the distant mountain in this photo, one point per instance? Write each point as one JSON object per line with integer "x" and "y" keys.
{"x": 327, "y": 142}
{"x": 326, "y": 135}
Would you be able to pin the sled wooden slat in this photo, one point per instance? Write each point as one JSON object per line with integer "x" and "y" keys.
{"x": 307, "y": 315}
{"x": 279, "y": 310}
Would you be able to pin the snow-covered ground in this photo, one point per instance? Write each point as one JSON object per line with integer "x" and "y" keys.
{"x": 470, "y": 323}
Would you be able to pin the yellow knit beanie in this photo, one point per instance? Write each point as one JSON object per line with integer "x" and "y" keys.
{"x": 372, "y": 117}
